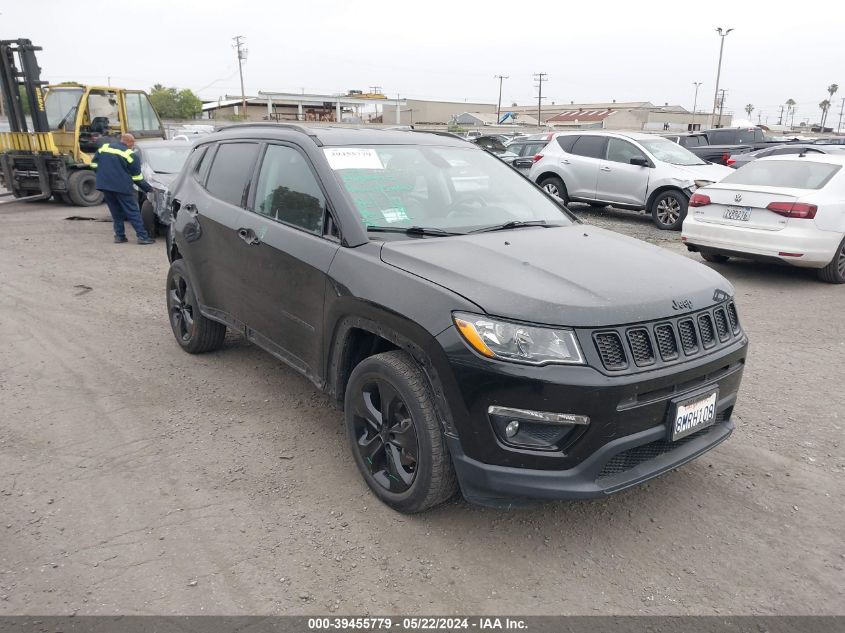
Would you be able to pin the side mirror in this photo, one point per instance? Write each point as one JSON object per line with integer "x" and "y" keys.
{"x": 523, "y": 163}
{"x": 640, "y": 161}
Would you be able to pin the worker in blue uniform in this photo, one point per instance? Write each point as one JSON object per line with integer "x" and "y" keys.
{"x": 118, "y": 168}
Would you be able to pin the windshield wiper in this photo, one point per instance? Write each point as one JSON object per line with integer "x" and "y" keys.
{"x": 513, "y": 224}
{"x": 413, "y": 230}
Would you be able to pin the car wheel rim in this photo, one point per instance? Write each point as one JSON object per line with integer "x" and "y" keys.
{"x": 668, "y": 210}
{"x": 180, "y": 301}
{"x": 385, "y": 436}
{"x": 552, "y": 190}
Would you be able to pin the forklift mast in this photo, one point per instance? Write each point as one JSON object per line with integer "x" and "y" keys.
{"x": 27, "y": 75}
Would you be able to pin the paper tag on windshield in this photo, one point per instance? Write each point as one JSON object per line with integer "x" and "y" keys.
{"x": 394, "y": 215}
{"x": 352, "y": 158}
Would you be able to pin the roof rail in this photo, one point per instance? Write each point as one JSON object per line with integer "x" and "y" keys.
{"x": 292, "y": 126}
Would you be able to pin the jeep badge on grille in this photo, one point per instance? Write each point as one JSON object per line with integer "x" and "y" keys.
{"x": 681, "y": 304}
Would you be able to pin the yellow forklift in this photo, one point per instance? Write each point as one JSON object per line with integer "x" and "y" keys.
{"x": 68, "y": 122}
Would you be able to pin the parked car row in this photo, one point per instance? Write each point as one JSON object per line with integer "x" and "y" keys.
{"x": 628, "y": 170}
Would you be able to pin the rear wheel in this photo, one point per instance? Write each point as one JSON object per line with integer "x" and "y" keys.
{"x": 712, "y": 256}
{"x": 194, "y": 333}
{"x": 395, "y": 435}
{"x": 149, "y": 218}
{"x": 668, "y": 210}
{"x": 82, "y": 188}
{"x": 834, "y": 272}
{"x": 554, "y": 186}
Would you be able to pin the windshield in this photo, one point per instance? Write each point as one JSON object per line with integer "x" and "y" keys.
{"x": 166, "y": 160}
{"x": 665, "y": 150}
{"x": 793, "y": 174}
{"x": 61, "y": 105}
{"x": 448, "y": 188}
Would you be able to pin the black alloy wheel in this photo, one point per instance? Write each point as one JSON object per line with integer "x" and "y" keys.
{"x": 386, "y": 435}
{"x": 395, "y": 435}
{"x": 194, "y": 332}
{"x": 181, "y": 304}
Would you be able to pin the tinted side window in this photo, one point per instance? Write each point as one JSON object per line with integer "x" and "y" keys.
{"x": 620, "y": 151}
{"x": 590, "y": 146}
{"x": 719, "y": 137}
{"x": 196, "y": 160}
{"x": 287, "y": 190}
{"x": 231, "y": 170}
{"x": 566, "y": 142}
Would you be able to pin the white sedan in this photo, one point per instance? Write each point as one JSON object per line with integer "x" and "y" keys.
{"x": 783, "y": 208}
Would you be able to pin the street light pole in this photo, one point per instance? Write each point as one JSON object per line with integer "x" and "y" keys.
{"x": 722, "y": 35}
{"x": 695, "y": 102}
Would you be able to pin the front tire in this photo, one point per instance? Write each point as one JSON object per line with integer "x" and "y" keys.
{"x": 554, "y": 186}
{"x": 82, "y": 188}
{"x": 668, "y": 210}
{"x": 834, "y": 272}
{"x": 394, "y": 433}
{"x": 148, "y": 215}
{"x": 195, "y": 333}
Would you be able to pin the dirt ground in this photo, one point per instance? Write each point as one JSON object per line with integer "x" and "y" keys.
{"x": 137, "y": 479}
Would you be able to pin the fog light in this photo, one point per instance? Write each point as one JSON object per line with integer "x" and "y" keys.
{"x": 538, "y": 430}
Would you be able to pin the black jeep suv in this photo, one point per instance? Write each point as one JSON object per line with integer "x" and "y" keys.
{"x": 474, "y": 332}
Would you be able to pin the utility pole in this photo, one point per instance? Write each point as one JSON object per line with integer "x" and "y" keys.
{"x": 719, "y": 71}
{"x": 841, "y": 109}
{"x": 242, "y": 51}
{"x": 540, "y": 77}
{"x": 780, "y": 116}
{"x": 721, "y": 106}
{"x": 697, "y": 84}
{"x": 499, "y": 104}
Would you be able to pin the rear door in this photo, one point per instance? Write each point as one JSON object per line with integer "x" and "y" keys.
{"x": 581, "y": 166}
{"x": 211, "y": 234}
{"x": 618, "y": 180}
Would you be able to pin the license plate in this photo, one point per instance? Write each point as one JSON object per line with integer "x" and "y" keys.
{"x": 692, "y": 414}
{"x": 737, "y": 213}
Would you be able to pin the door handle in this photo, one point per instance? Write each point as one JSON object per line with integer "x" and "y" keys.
{"x": 605, "y": 168}
{"x": 248, "y": 236}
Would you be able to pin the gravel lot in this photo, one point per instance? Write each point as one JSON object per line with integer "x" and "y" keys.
{"x": 137, "y": 479}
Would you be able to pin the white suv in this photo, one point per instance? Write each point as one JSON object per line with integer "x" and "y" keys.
{"x": 627, "y": 170}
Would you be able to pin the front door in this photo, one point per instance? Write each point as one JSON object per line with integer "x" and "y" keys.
{"x": 283, "y": 257}
{"x": 619, "y": 181}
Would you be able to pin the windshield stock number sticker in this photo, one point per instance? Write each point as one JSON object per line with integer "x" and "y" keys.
{"x": 352, "y": 158}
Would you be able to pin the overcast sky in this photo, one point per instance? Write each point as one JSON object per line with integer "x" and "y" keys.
{"x": 593, "y": 51}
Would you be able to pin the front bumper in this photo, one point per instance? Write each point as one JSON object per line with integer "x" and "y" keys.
{"x": 816, "y": 247}
{"x": 624, "y": 444}
{"x": 620, "y": 464}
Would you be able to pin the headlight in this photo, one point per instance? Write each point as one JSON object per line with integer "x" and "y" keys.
{"x": 517, "y": 342}
{"x": 703, "y": 183}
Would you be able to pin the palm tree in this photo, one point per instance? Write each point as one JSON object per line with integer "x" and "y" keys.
{"x": 790, "y": 104}
{"x": 831, "y": 90}
{"x": 749, "y": 108}
{"x": 824, "y": 105}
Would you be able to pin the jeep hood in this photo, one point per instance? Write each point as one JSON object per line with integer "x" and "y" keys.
{"x": 576, "y": 275}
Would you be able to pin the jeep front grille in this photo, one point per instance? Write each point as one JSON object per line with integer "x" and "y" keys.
{"x": 644, "y": 345}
